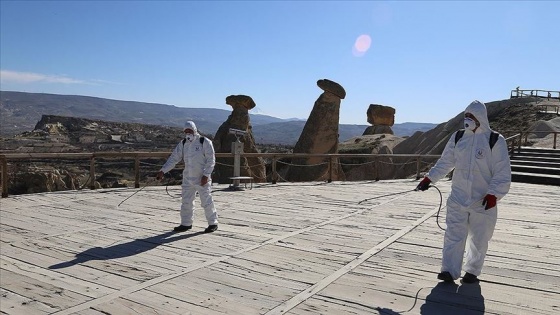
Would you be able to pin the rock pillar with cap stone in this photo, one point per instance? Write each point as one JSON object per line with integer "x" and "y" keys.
{"x": 223, "y": 140}
{"x": 320, "y": 135}
{"x": 382, "y": 118}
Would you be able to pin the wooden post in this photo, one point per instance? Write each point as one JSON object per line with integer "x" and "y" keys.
{"x": 137, "y": 172}
{"x": 376, "y": 163}
{"x": 418, "y": 167}
{"x": 330, "y": 168}
{"x": 274, "y": 174}
{"x": 92, "y": 173}
{"x": 4, "y": 177}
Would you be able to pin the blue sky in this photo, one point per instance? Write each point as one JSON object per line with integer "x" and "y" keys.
{"x": 427, "y": 59}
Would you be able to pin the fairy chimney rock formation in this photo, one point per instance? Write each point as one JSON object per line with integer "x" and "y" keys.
{"x": 332, "y": 87}
{"x": 319, "y": 135}
{"x": 237, "y": 101}
{"x": 239, "y": 119}
{"x": 382, "y": 118}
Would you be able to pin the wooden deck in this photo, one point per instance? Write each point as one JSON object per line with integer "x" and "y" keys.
{"x": 289, "y": 248}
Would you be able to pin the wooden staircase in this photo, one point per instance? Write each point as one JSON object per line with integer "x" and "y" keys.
{"x": 536, "y": 166}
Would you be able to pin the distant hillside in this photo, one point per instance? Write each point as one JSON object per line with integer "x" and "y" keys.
{"x": 20, "y": 111}
{"x": 289, "y": 132}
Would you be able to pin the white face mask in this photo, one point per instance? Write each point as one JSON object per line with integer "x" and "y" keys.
{"x": 470, "y": 124}
{"x": 189, "y": 137}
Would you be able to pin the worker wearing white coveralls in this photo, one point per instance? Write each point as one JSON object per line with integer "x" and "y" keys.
{"x": 482, "y": 176}
{"x": 199, "y": 160}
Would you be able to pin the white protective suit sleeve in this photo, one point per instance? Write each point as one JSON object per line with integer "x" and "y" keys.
{"x": 501, "y": 169}
{"x": 210, "y": 161}
{"x": 175, "y": 157}
{"x": 446, "y": 162}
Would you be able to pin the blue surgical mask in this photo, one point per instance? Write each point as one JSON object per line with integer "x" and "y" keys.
{"x": 470, "y": 124}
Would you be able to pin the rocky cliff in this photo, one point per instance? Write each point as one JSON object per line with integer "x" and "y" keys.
{"x": 509, "y": 117}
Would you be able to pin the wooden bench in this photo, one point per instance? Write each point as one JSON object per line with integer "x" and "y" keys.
{"x": 242, "y": 179}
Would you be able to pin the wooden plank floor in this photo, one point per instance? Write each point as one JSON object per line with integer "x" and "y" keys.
{"x": 289, "y": 248}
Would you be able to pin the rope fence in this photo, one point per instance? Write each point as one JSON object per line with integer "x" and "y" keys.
{"x": 13, "y": 163}
{"x": 18, "y": 163}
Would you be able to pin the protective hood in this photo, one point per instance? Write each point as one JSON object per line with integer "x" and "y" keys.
{"x": 190, "y": 125}
{"x": 478, "y": 110}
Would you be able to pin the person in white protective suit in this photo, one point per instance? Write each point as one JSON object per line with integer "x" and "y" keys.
{"x": 482, "y": 176}
{"x": 197, "y": 153}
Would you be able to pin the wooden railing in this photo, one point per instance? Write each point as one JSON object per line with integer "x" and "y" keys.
{"x": 137, "y": 156}
{"x": 548, "y": 108}
{"x": 517, "y": 93}
{"x": 515, "y": 141}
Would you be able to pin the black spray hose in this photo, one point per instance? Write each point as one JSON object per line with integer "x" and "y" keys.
{"x": 407, "y": 191}
{"x": 167, "y": 185}
{"x": 387, "y": 195}
{"x": 132, "y": 194}
{"x": 440, "y": 203}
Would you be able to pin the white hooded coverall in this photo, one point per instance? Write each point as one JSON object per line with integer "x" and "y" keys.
{"x": 199, "y": 160}
{"x": 479, "y": 170}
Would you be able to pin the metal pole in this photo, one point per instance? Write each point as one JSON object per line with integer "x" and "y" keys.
{"x": 236, "y": 149}
{"x": 554, "y": 142}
